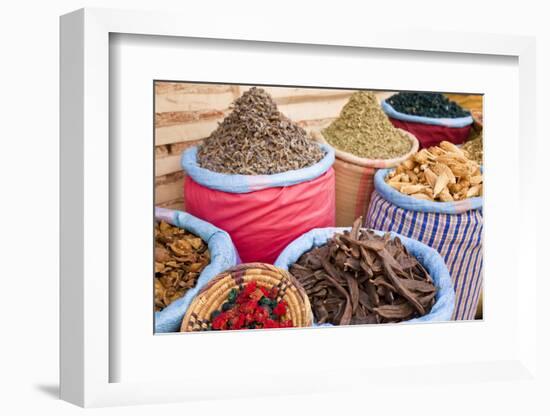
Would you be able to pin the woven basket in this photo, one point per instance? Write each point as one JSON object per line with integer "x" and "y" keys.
{"x": 354, "y": 180}
{"x": 215, "y": 293}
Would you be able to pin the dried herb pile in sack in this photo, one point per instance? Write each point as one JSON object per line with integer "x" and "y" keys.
{"x": 426, "y": 104}
{"x": 441, "y": 173}
{"x": 474, "y": 146}
{"x": 180, "y": 257}
{"x": 365, "y": 131}
{"x": 256, "y": 139}
{"x": 358, "y": 277}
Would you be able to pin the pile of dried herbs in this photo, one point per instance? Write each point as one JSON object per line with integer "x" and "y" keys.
{"x": 427, "y": 104}
{"x": 365, "y": 131}
{"x": 256, "y": 139}
{"x": 358, "y": 277}
{"x": 180, "y": 257}
{"x": 474, "y": 146}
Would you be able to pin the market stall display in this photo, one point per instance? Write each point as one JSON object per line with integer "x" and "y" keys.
{"x": 364, "y": 141}
{"x": 287, "y": 194}
{"x": 269, "y": 295}
{"x": 430, "y": 117}
{"x": 189, "y": 252}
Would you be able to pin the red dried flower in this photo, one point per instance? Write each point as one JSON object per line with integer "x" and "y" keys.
{"x": 237, "y": 322}
{"x": 270, "y": 323}
{"x": 220, "y": 321}
{"x": 250, "y": 287}
{"x": 256, "y": 295}
{"x": 242, "y": 298}
{"x": 261, "y": 315}
{"x": 280, "y": 309}
{"x": 273, "y": 292}
{"x": 251, "y": 309}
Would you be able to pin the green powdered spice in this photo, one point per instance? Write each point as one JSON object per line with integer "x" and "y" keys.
{"x": 365, "y": 131}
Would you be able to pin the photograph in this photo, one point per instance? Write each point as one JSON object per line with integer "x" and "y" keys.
{"x": 296, "y": 206}
{"x": 275, "y": 209}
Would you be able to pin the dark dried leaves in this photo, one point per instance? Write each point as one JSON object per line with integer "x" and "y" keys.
{"x": 361, "y": 278}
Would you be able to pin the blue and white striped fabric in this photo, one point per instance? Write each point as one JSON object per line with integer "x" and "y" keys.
{"x": 456, "y": 236}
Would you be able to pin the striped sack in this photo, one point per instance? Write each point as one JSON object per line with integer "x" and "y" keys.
{"x": 454, "y": 229}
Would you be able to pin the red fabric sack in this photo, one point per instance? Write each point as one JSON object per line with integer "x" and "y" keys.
{"x": 430, "y": 134}
{"x": 262, "y": 223}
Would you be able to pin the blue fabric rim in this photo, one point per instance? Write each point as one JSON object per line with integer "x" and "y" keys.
{"x": 412, "y": 204}
{"x": 249, "y": 183}
{"x": 446, "y": 122}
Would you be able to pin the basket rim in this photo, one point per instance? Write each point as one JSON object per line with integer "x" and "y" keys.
{"x": 302, "y": 303}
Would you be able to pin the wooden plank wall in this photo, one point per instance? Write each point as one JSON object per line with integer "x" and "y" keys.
{"x": 472, "y": 102}
{"x": 187, "y": 113}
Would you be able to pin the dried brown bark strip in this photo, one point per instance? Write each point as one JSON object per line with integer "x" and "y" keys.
{"x": 399, "y": 287}
{"x": 359, "y": 277}
{"x": 371, "y": 292}
{"x": 353, "y": 290}
{"x": 331, "y": 273}
{"x": 376, "y": 245}
{"x": 400, "y": 311}
{"x": 418, "y": 286}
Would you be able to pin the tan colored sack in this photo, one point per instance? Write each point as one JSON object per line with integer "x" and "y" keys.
{"x": 354, "y": 180}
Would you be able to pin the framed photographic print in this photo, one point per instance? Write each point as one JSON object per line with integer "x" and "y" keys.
{"x": 262, "y": 202}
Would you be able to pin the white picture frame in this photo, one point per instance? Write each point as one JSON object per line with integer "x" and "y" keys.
{"x": 87, "y": 302}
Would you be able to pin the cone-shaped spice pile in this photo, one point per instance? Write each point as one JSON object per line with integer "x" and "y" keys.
{"x": 256, "y": 139}
{"x": 364, "y": 130}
